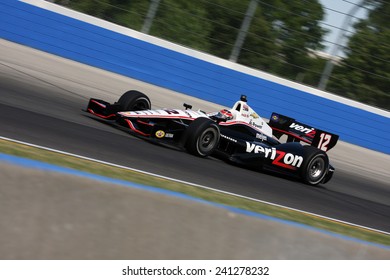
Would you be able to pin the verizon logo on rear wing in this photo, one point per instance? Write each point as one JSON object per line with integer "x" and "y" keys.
{"x": 297, "y": 131}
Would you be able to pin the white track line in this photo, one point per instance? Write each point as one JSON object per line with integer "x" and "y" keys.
{"x": 191, "y": 184}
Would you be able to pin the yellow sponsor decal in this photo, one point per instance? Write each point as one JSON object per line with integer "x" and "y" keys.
{"x": 160, "y": 134}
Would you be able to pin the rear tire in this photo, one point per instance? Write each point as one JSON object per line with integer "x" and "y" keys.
{"x": 315, "y": 165}
{"x": 202, "y": 137}
{"x": 134, "y": 100}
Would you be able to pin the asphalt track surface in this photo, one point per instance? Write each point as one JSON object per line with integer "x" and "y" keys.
{"x": 41, "y": 105}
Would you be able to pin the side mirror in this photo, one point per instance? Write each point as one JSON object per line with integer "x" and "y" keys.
{"x": 243, "y": 98}
{"x": 187, "y": 106}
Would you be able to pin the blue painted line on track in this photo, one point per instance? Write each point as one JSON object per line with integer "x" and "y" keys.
{"x": 34, "y": 164}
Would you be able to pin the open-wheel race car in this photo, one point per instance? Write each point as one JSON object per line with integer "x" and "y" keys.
{"x": 238, "y": 135}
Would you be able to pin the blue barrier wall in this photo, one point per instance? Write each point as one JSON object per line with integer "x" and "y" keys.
{"x": 99, "y": 47}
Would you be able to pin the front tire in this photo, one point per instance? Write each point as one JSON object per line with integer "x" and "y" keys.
{"x": 134, "y": 100}
{"x": 202, "y": 137}
{"x": 315, "y": 166}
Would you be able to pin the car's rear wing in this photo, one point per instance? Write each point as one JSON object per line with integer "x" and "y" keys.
{"x": 297, "y": 131}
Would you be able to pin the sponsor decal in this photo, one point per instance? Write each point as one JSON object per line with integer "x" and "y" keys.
{"x": 275, "y": 117}
{"x": 172, "y": 112}
{"x": 255, "y": 124}
{"x": 169, "y": 135}
{"x": 279, "y": 158}
{"x": 260, "y": 136}
{"x": 143, "y": 113}
{"x": 160, "y": 134}
{"x": 301, "y": 128}
{"x": 245, "y": 107}
{"x": 254, "y": 115}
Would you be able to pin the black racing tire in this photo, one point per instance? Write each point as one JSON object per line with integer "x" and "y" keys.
{"x": 202, "y": 137}
{"x": 315, "y": 165}
{"x": 134, "y": 100}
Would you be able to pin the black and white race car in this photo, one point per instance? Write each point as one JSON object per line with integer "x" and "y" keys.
{"x": 238, "y": 135}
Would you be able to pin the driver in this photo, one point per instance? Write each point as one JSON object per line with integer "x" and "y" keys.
{"x": 225, "y": 115}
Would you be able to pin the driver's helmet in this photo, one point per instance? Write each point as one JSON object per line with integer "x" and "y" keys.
{"x": 225, "y": 114}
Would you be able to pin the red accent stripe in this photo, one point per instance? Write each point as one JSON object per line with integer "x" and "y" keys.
{"x": 293, "y": 135}
{"x": 100, "y": 104}
{"x": 101, "y": 116}
{"x": 134, "y": 129}
{"x": 145, "y": 123}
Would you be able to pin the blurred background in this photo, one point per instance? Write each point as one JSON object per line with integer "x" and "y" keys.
{"x": 341, "y": 46}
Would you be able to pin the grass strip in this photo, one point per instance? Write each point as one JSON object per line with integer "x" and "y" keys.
{"x": 16, "y": 149}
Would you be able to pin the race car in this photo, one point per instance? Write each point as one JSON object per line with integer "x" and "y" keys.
{"x": 237, "y": 135}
